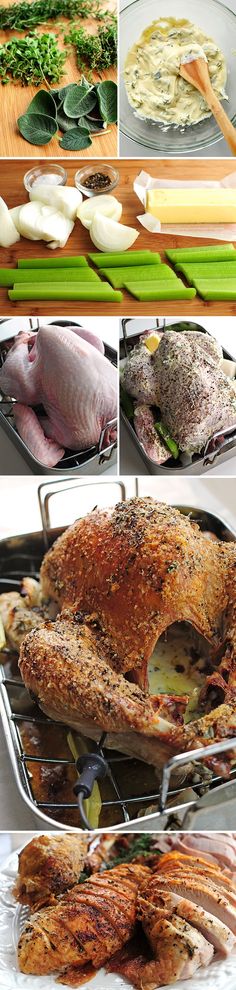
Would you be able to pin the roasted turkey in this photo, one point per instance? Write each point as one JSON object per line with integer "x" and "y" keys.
{"x": 87, "y": 926}
{"x": 48, "y": 866}
{"x": 120, "y": 577}
{"x": 186, "y": 916}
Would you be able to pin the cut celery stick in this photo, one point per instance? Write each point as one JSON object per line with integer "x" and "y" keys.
{"x": 90, "y": 292}
{"x": 162, "y": 290}
{"x": 212, "y": 289}
{"x": 11, "y": 276}
{"x": 221, "y": 269}
{"x": 78, "y": 261}
{"x": 140, "y": 273}
{"x": 124, "y": 258}
{"x": 210, "y": 252}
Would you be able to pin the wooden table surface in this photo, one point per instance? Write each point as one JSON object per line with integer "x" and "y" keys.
{"x": 12, "y": 190}
{"x": 15, "y": 99}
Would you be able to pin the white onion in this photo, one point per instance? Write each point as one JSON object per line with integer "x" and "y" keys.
{"x": 106, "y": 204}
{"x": 66, "y": 199}
{"x": 108, "y": 235}
{"x": 8, "y": 232}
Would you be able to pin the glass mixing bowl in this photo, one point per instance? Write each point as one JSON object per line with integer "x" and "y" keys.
{"x": 218, "y": 23}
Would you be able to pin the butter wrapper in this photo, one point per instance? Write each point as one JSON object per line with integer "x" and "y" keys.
{"x": 221, "y": 231}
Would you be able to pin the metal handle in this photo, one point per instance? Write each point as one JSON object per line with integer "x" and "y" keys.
{"x": 224, "y": 437}
{"x": 196, "y": 755}
{"x": 48, "y": 489}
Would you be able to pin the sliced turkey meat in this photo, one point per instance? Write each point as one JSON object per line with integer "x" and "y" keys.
{"x": 179, "y": 951}
{"x": 167, "y": 903}
{"x": 202, "y": 893}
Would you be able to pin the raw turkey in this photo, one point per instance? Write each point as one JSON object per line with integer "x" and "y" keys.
{"x": 63, "y": 371}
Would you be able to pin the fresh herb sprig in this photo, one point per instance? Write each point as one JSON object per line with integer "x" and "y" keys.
{"x": 23, "y": 16}
{"x": 97, "y": 51}
{"x": 32, "y": 59}
{"x": 139, "y": 846}
{"x": 77, "y": 110}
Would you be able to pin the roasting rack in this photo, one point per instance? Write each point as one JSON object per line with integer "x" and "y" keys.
{"x": 93, "y": 460}
{"x": 130, "y": 787}
{"x": 221, "y": 446}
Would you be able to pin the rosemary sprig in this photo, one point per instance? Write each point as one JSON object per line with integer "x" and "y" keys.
{"x": 25, "y": 15}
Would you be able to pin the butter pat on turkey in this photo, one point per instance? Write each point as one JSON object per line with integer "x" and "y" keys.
{"x": 152, "y": 342}
{"x": 200, "y": 205}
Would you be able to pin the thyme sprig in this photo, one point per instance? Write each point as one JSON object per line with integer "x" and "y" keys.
{"x": 97, "y": 51}
{"x": 26, "y": 15}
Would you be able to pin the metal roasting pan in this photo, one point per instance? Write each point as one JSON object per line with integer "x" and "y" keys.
{"x": 225, "y": 441}
{"x": 131, "y": 796}
{"x": 93, "y": 461}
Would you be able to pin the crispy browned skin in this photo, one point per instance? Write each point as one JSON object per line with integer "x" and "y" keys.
{"x": 121, "y": 577}
{"x": 141, "y": 566}
{"x": 89, "y": 924}
{"x": 173, "y": 861}
{"x": 48, "y": 866}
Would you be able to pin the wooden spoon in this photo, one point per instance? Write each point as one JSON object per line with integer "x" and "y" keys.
{"x": 196, "y": 73}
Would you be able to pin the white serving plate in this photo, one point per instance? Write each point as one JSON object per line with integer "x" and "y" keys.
{"x": 220, "y": 975}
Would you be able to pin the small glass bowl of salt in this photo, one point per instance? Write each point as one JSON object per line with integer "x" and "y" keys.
{"x": 49, "y": 174}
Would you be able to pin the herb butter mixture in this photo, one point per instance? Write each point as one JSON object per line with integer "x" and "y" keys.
{"x": 154, "y": 87}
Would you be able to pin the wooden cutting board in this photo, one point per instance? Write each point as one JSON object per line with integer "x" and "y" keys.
{"x": 12, "y": 190}
{"x": 16, "y": 98}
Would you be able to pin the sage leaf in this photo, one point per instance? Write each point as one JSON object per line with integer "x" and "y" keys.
{"x": 84, "y": 82}
{"x": 60, "y": 94}
{"x": 37, "y": 128}
{"x": 82, "y": 122}
{"x": 95, "y": 125}
{"x": 75, "y": 139}
{"x": 107, "y": 98}
{"x": 79, "y": 101}
{"x": 63, "y": 122}
{"x": 42, "y": 102}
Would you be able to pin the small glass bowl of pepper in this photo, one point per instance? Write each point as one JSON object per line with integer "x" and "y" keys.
{"x": 92, "y": 180}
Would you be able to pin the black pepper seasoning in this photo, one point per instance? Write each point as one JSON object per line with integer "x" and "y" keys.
{"x": 99, "y": 180}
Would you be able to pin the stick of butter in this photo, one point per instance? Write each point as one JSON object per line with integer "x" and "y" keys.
{"x": 192, "y": 205}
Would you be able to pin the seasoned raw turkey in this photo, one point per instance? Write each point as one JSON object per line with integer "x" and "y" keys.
{"x": 48, "y": 866}
{"x": 138, "y": 375}
{"x": 120, "y": 578}
{"x": 184, "y": 379}
{"x": 88, "y": 925}
{"x": 195, "y": 397}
